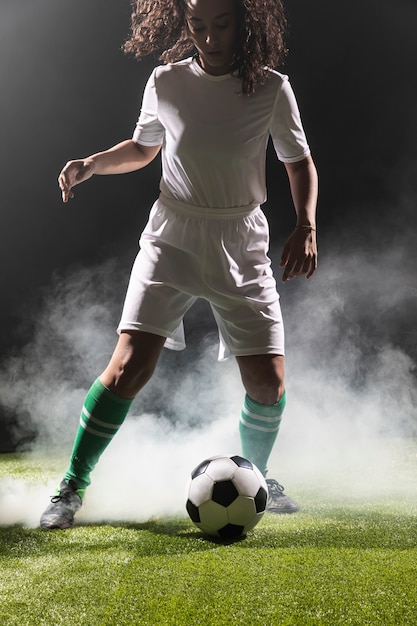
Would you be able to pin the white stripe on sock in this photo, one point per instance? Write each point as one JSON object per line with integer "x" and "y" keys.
{"x": 93, "y": 431}
{"x": 93, "y": 419}
{"x": 264, "y": 429}
{"x": 261, "y": 418}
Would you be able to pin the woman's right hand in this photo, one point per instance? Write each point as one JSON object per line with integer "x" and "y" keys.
{"x": 73, "y": 173}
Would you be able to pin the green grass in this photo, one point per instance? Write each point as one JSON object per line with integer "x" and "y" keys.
{"x": 335, "y": 562}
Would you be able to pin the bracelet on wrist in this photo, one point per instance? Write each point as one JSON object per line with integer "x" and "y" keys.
{"x": 306, "y": 227}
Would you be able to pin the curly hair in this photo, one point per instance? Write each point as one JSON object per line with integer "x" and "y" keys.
{"x": 159, "y": 26}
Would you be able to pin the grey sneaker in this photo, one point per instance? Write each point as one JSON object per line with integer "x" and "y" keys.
{"x": 60, "y": 513}
{"x": 277, "y": 501}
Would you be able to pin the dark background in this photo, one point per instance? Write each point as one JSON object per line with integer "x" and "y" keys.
{"x": 67, "y": 90}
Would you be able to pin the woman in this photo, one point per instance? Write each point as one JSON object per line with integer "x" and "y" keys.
{"x": 211, "y": 115}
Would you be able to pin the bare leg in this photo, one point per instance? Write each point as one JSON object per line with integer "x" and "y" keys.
{"x": 105, "y": 408}
{"x": 133, "y": 363}
{"x": 263, "y": 377}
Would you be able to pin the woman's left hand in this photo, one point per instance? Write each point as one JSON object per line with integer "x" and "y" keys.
{"x": 300, "y": 253}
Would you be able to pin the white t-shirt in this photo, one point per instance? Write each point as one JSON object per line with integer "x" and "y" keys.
{"x": 214, "y": 137}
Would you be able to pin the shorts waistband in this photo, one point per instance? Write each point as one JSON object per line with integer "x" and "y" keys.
{"x": 191, "y": 210}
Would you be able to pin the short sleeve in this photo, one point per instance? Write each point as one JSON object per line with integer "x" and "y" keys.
{"x": 149, "y": 130}
{"x": 286, "y": 129}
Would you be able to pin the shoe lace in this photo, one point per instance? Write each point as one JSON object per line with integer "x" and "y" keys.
{"x": 64, "y": 494}
{"x": 274, "y": 488}
{"x": 58, "y": 497}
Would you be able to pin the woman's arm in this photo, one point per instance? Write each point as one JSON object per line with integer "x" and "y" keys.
{"x": 124, "y": 157}
{"x": 300, "y": 250}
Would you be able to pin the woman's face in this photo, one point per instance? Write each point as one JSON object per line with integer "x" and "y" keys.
{"x": 212, "y": 27}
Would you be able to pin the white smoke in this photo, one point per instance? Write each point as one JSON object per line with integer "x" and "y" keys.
{"x": 350, "y": 381}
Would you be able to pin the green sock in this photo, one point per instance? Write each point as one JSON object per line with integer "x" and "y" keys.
{"x": 258, "y": 427}
{"x": 101, "y": 417}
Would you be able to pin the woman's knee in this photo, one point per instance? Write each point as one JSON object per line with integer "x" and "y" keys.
{"x": 263, "y": 377}
{"x": 133, "y": 363}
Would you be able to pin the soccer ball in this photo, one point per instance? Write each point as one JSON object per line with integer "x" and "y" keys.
{"x": 226, "y": 496}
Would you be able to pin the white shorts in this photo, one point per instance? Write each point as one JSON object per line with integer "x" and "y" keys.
{"x": 220, "y": 255}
